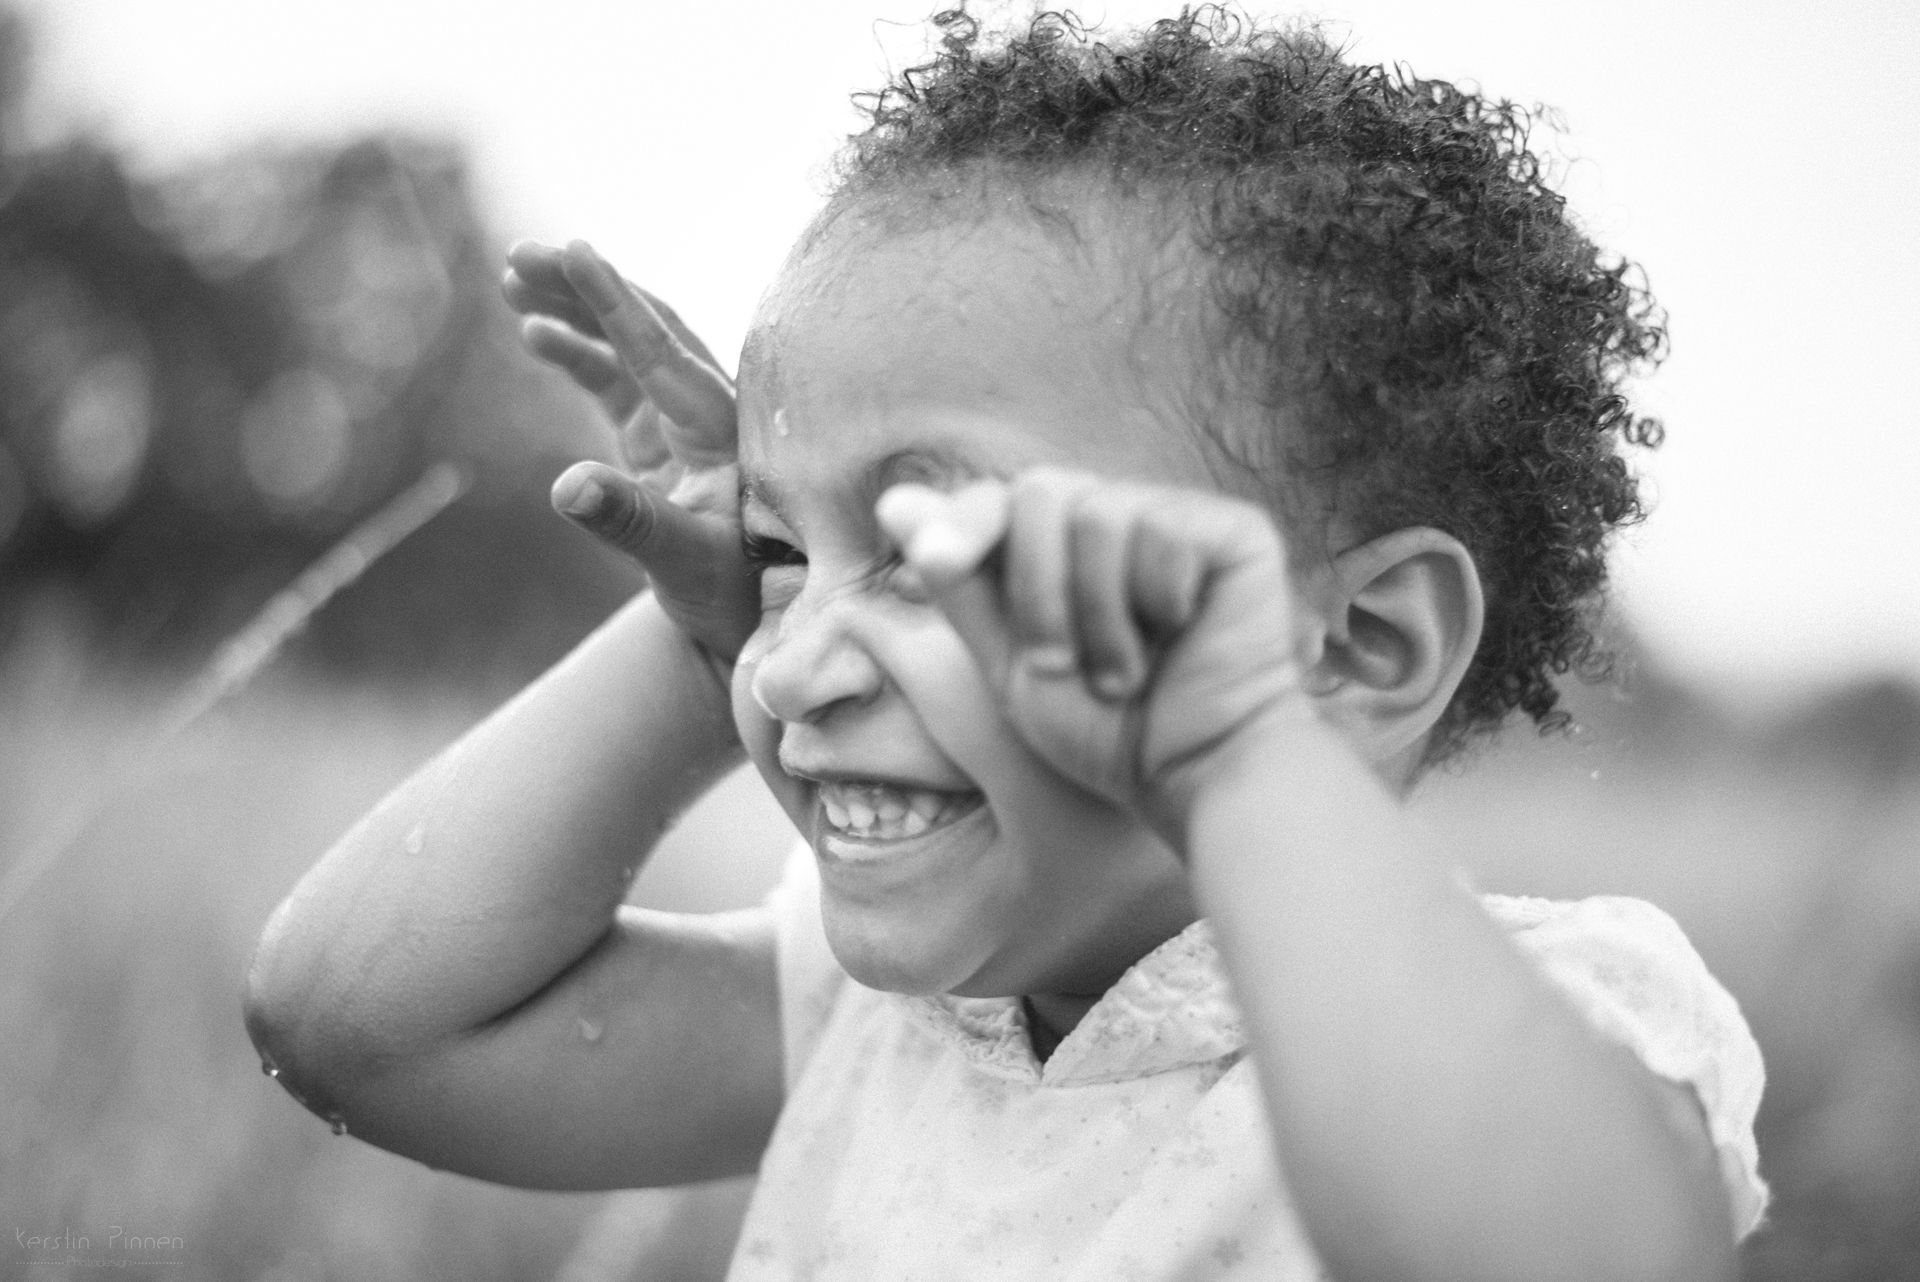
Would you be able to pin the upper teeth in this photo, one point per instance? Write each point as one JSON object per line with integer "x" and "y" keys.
{"x": 881, "y": 810}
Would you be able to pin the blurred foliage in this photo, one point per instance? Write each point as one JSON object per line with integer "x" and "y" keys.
{"x": 207, "y": 376}
{"x": 1784, "y": 839}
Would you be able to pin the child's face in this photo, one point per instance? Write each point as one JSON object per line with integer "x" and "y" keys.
{"x": 951, "y": 859}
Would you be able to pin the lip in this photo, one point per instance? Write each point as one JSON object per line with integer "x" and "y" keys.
{"x": 819, "y": 774}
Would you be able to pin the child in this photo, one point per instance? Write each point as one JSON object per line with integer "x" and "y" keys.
{"x": 1152, "y": 459}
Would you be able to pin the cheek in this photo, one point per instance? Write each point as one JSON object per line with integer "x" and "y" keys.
{"x": 926, "y": 662}
{"x": 940, "y": 681}
{"x": 759, "y": 732}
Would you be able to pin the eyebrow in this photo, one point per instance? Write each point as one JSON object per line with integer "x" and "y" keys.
{"x": 937, "y": 466}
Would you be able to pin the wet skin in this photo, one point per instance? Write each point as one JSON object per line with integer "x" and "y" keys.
{"x": 972, "y": 349}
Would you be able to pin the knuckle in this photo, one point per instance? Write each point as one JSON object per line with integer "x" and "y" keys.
{"x": 1049, "y": 486}
{"x": 640, "y": 351}
{"x": 630, "y": 522}
{"x": 1102, "y": 650}
{"x": 1107, "y": 511}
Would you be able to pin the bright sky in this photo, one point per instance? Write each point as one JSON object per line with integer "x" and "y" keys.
{"x": 1757, "y": 157}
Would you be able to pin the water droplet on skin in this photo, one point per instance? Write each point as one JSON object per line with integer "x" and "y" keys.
{"x": 780, "y": 427}
{"x": 268, "y": 1067}
{"x": 337, "y": 1123}
{"x": 416, "y": 840}
{"x": 590, "y": 1030}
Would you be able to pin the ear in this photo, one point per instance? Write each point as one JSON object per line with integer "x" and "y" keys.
{"x": 1401, "y": 627}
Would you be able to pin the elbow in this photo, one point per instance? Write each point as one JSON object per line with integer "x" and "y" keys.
{"x": 272, "y": 1016}
{"x": 272, "y": 1010}
{"x": 307, "y": 1053}
{"x": 273, "y": 1030}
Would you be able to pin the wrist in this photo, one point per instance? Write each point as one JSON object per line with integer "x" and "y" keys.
{"x": 661, "y": 672}
{"x": 704, "y": 669}
{"x": 720, "y": 670}
{"x": 1278, "y": 730}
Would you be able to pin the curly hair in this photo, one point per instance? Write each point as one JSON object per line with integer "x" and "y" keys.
{"x": 1387, "y": 255}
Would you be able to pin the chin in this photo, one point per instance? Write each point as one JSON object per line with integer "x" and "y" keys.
{"x": 894, "y": 956}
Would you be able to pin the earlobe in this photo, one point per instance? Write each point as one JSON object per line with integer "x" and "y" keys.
{"x": 1403, "y": 626}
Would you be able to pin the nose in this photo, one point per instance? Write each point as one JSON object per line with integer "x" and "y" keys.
{"x": 814, "y": 665}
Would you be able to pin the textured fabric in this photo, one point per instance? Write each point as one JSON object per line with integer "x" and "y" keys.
{"x": 921, "y": 1139}
{"x": 1629, "y": 969}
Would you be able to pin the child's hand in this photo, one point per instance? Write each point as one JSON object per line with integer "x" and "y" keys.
{"x": 673, "y": 410}
{"x": 1129, "y": 630}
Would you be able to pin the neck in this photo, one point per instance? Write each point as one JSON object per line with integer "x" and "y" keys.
{"x": 1051, "y": 1016}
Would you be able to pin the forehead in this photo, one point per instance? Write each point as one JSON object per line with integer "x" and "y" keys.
{"x": 976, "y": 343}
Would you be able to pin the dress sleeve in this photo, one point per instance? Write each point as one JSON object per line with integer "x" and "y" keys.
{"x": 809, "y": 977}
{"x": 1629, "y": 969}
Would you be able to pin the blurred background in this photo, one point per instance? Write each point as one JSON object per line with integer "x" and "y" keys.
{"x": 251, "y": 352}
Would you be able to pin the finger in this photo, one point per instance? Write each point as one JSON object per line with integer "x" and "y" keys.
{"x": 540, "y": 265}
{"x": 1165, "y": 577}
{"x": 695, "y": 397}
{"x": 536, "y": 274}
{"x": 946, "y": 540}
{"x": 1100, "y": 552}
{"x": 642, "y": 437}
{"x": 972, "y": 605}
{"x": 567, "y": 308}
{"x": 535, "y": 283}
{"x": 589, "y": 362}
{"x": 622, "y": 513}
{"x": 944, "y": 537}
{"x": 693, "y": 561}
{"x": 688, "y": 339}
{"x": 1036, "y": 570}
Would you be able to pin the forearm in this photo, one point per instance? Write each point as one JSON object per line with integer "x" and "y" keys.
{"x": 501, "y": 862}
{"x": 1440, "y": 1112}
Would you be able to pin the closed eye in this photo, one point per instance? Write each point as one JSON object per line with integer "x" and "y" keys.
{"x": 901, "y": 581}
{"x": 763, "y": 553}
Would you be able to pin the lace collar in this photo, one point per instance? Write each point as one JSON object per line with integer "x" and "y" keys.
{"x": 1170, "y": 1010}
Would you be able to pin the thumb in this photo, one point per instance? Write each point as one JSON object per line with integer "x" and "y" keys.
{"x": 946, "y": 541}
{"x": 628, "y": 517}
{"x": 693, "y": 562}
{"x": 945, "y": 536}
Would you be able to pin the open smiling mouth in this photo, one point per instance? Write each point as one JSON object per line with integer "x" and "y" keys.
{"x": 881, "y": 812}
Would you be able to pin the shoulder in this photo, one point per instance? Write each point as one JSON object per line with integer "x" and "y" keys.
{"x": 1628, "y": 968}
{"x": 1631, "y": 970}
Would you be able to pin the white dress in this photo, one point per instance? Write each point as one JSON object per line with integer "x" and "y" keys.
{"x": 922, "y": 1140}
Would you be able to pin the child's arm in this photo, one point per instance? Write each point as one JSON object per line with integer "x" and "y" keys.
{"x": 1439, "y": 1111}
{"x": 457, "y": 980}
{"x": 1450, "y": 1116}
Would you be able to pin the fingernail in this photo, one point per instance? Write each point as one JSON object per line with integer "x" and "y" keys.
{"x": 942, "y": 552}
{"x": 595, "y": 277}
{"x": 587, "y": 499}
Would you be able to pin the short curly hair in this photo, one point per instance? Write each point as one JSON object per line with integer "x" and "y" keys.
{"x": 1388, "y": 257}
